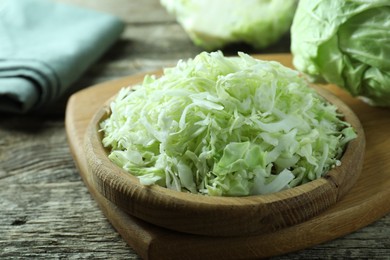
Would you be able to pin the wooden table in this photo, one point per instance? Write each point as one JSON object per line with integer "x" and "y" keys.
{"x": 46, "y": 210}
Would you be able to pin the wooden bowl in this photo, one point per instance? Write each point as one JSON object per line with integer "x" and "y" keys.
{"x": 223, "y": 216}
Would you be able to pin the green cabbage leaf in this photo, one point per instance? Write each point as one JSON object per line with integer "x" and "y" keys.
{"x": 346, "y": 43}
{"x": 217, "y": 23}
{"x": 225, "y": 126}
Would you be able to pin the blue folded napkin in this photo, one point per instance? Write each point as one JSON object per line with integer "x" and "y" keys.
{"x": 45, "y": 46}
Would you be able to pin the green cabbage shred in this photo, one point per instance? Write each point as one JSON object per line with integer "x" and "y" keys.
{"x": 225, "y": 126}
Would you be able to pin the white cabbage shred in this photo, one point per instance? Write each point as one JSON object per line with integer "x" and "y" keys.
{"x": 225, "y": 126}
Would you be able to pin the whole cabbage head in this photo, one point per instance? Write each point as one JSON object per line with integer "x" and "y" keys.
{"x": 346, "y": 43}
{"x": 217, "y": 23}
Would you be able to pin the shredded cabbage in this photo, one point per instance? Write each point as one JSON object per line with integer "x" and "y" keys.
{"x": 225, "y": 126}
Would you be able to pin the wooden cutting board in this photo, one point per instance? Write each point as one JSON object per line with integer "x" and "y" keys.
{"x": 366, "y": 202}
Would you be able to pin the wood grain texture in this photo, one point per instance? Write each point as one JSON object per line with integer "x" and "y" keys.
{"x": 366, "y": 202}
{"x": 46, "y": 209}
{"x": 197, "y": 214}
